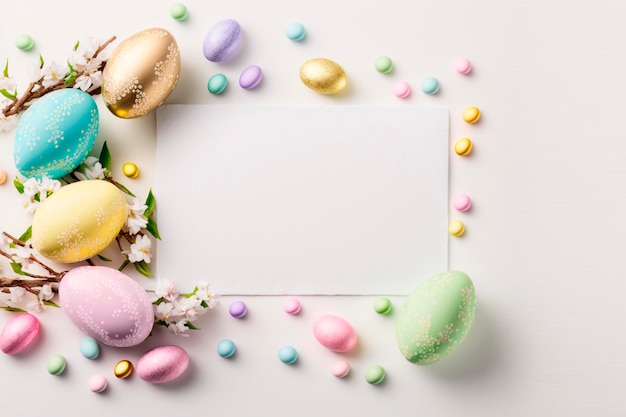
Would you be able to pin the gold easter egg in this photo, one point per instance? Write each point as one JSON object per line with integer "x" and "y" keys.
{"x": 324, "y": 76}
{"x": 141, "y": 73}
{"x": 123, "y": 369}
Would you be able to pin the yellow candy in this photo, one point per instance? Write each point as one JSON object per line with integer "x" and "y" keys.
{"x": 130, "y": 170}
{"x": 323, "y": 75}
{"x": 471, "y": 114}
{"x": 123, "y": 369}
{"x": 3, "y": 176}
{"x": 456, "y": 228}
{"x": 463, "y": 146}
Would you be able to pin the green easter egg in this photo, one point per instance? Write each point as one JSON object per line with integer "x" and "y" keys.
{"x": 436, "y": 317}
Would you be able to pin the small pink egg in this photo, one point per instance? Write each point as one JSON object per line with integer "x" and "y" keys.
{"x": 462, "y": 202}
{"x": 292, "y": 305}
{"x": 401, "y": 89}
{"x": 98, "y": 383}
{"x": 162, "y": 364}
{"x": 334, "y": 333}
{"x": 340, "y": 369}
{"x": 463, "y": 66}
{"x": 19, "y": 333}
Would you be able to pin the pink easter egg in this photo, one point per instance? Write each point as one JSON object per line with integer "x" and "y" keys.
{"x": 19, "y": 333}
{"x": 162, "y": 364}
{"x": 107, "y": 305}
{"x": 334, "y": 333}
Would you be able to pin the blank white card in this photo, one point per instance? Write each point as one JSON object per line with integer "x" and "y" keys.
{"x": 301, "y": 200}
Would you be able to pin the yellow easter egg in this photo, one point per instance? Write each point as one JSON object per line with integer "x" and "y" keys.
{"x": 141, "y": 73}
{"x": 78, "y": 221}
{"x": 324, "y": 76}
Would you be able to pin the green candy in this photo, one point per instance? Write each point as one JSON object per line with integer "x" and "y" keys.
{"x": 383, "y": 306}
{"x": 375, "y": 374}
{"x": 436, "y": 317}
{"x": 383, "y": 64}
{"x": 217, "y": 84}
{"x": 56, "y": 365}
{"x": 179, "y": 11}
{"x": 24, "y": 42}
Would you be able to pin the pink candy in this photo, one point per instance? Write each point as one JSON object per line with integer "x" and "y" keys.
{"x": 19, "y": 333}
{"x": 162, "y": 364}
{"x": 402, "y": 89}
{"x": 334, "y": 333}
{"x": 463, "y": 66}
{"x": 462, "y": 202}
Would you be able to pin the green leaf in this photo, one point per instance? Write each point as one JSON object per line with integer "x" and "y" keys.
{"x": 18, "y": 185}
{"x": 143, "y": 268}
{"x": 105, "y": 157}
{"x": 159, "y": 301}
{"x": 17, "y": 268}
{"x": 151, "y": 203}
{"x": 76, "y": 45}
{"x": 51, "y": 304}
{"x": 6, "y": 69}
{"x": 14, "y": 309}
{"x": 152, "y": 228}
{"x": 41, "y": 61}
{"x": 27, "y": 234}
{"x": 190, "y": 326}
{"x": 124, "y": 189}
{"x": 8, "y": 95}
{"x": 105, "y": 259}
{"x": 124, "y": 264}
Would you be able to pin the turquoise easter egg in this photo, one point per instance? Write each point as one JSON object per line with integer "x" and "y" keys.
{"x": 56, "y": 134}
{"x": 436, "y": 317}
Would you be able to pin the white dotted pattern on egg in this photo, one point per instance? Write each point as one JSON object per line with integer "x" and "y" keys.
{"x": 56, "y": 133}
{"x": 107, "y": 305}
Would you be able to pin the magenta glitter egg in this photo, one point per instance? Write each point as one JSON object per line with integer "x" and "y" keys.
{"x": 19, "y": 333}
{"x": 162, "y": 364}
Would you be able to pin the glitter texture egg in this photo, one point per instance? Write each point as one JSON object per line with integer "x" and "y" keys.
{"x": 334, "y": 333}
{"x": 107, "y": 305}
{"x": 436, "y": 317}
{"x": 323, "y": 75}
{"x": 222, "y": 40}
{"x": 142, "y": 72}
{"x": 78, "y": 221}
{"x": 56, "y": 134}
{"x": 19, "y": 333}
{"x": 162, "y": 364}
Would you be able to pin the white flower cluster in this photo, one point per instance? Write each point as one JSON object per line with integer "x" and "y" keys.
{"x": 36, "y": 191}
{"x": 7, "y": 84}
{"x": 90, "y": 169}
{"x": 178, "y": 311}
{"x": 18, "y": 297}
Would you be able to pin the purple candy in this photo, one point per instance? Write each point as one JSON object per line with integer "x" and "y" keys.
{"x": 238, "y": 309}
{"x": 222, "y": 40}
{"x": 250, "y": 77}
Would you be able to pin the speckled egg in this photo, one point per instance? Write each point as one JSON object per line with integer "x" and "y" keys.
{"x": 142, "y": 72}
{"x": 107, "y": 305}
{"x": 222, "y": 40}
{"x": 162, "y": 364}
{"x": 334, "y": 333}
{"x": 78, "y": 221}
{"x": 19, "y": 333}
{"x": 436, "y": 317}
{"x": 323, "y": 75}
{"x": 56, "y": 134}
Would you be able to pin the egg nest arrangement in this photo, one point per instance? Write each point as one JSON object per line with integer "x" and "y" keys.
{"x": 84, "y": 216}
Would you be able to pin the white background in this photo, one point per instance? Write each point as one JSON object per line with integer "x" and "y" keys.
{"x": 544, "y": 243}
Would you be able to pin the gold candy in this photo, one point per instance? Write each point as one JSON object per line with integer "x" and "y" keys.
{"x": 463, "y": 146}
{"x": 130, "y": 170}
{"x": 141, "y": 73}
{"x": 123, "y": 369}
{"x": 323, "y": 75}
